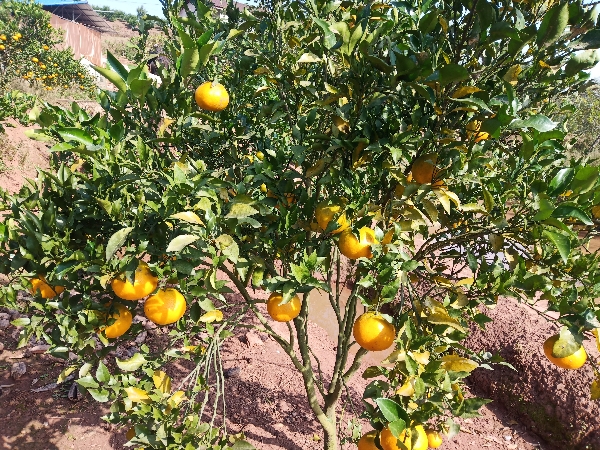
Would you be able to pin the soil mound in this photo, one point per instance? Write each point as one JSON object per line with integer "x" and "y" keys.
{"x": 554, "y": 403}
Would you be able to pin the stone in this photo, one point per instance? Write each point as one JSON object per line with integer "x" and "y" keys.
{"x": 17, "y": 370}
{"x": 253, "y": 339}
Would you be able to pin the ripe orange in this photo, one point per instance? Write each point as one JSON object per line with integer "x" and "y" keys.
{"x": 2, "y": 37}
{"x": 144, "y": 284}
{"x": 574, "y": 361}
{"x": 326, "y": 212}
{"x": 354, "y": 248}
{"x": 34, "y": 59}
{"x": 412, "y": 442}
{"x": 433, "y": 438}
{"x": 372, "y": 332}
{"x": 367, "y": 442}
{"x": 283, "y": 313}
{"x": 423, "y": 168}
{"x": 212, "y": 96}
{"x": 123, "y": 323}
{"x": 2, "y": 47}
{"x": 40, "y": 285}
{"x": 165, "y": 307}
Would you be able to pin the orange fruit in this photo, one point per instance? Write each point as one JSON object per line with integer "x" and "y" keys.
{"x": 40, "y": 285}
{"x": 413, "y": 439}
{"x": 372, "y": 332}
{"x": 2, "y": 37}
{"x": 144, "y": 284}
{"x": 122, "y": 324}
{"x": 433, "y": 438}
{"x": 2, "y": 47}
{"x": 367, "y": 442}
{"x": 423, "y": 168}
{"x": 574, "y": 361}
{"x": 212, "y": 96}
{"x": 34, "y": 59}
{"x": 165, "y": 307}
{"x": 45, "y": 47}
{"x": 330, "y": 210}
{"x": 354, "y": 248}
{"x": 283, "y": 313}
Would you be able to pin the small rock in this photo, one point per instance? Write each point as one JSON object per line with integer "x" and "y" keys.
{"x": 17, "y": 370}
{"x": 253, "y": 339}
{"x": 141, "y": 338}
{"x": 74, "y": 395}
{"x": 233, "y": 372}
{"x": 1, "y": 347}
{"x": 507, "y": 438}
{"x": 150, "y": 325}
{"x": 4, "y": 323}
{"x": 38, "y": 349}
{"x": 4, "y": 316}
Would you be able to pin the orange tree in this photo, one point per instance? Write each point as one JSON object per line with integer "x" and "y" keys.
{"x": 402, "y": 157}
{"x": 28, "y": 50}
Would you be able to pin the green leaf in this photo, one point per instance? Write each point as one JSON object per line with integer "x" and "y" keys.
{"x": 205, "y": 51}
{"x": 113, "y": 77}
{"x": 553, "y": 24}
{"x": 76, "y": 134}
{"x": 561, "y": 181}
{"x": 180, "y": 242}
{"x": 102, "y": 373}
{"x": 329, "y": 39}
{"x": 21, "y": 322}
{"x": 581, "y": 61}
{"x": 88, "y": 382}
{"x": 189, "y": 61}
{"x": 116, "y": 65}
{"x": 391, "y": 410}
{"x": 397, "y": 427}
{"x": 380, "y": 64}
{"x": 585, "y": 179}
{"x": 100, "y": 395}
{"x": 132, "y": 364}
{"x": 488, "y": 200}
{"x": 566, "y": 344}
{"x": 242, "y": 445}
{"x": 300, "y": 273}
{"x": 564, "y": 210}
{"x": 538, "y": 122}
{"x": 561, "y": 242}
{"x": 450, "y": 73}
{"x": 240, "y": 211}
{"x": 139, "y": 88}
{"x": 38, "y": 135}
{"x": 428, "y": 22}
{"x": 228, "y": 247}
{"x": 545, "y": 209}
{"x": 116, "y": 241}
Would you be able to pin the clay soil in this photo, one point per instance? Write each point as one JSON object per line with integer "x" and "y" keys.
{"x": 265, "y": 398}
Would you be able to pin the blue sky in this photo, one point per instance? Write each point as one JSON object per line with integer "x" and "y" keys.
{"x": 152, "y": 6}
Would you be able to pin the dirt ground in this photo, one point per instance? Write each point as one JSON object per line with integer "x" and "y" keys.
{"x": 265, "y": 400}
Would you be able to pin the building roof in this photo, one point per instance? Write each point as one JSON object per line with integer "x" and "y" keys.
{"x": 77, "y": 11}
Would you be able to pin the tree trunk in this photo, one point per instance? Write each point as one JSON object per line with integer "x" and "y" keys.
{"x": 330, "y": 442}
